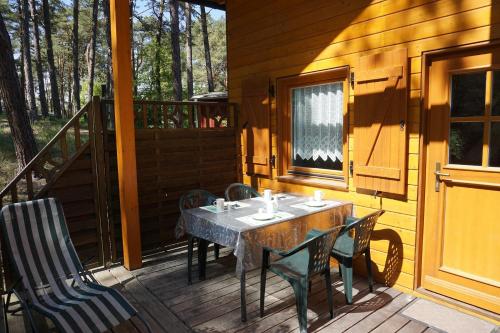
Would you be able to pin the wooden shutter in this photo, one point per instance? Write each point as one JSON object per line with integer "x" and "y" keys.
{"x": 380, "y": 111}
{"x": 255, "y": 122}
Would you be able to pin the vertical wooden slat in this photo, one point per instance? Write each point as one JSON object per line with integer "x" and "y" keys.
{"x": 144, "y": 115}
{"x": 99, "y": 175}
{"x": 190, "y": 110}
{"x": 198, "y": 116}
{"x": 231, "y": 115}
{"x": 155, "y": 115}
{"x": 29, "y": 184}
{"x": 76, "y": 128}
{"x": 63, "y": 144}
{"x": 125, "y": 134}
{"x": 165, "y": 115}
{"x": 13, "y": 193}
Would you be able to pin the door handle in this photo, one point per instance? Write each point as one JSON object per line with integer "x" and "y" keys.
{"x": 439, "y": 174}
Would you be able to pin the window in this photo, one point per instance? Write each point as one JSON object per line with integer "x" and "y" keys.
{"x": 313, "y": 111}
{"x": 475, "y": 119}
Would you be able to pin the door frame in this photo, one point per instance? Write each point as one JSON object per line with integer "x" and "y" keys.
{"x": 427, "y": 58}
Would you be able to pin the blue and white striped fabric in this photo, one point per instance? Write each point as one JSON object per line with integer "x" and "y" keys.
{"x": 44, "y": 256}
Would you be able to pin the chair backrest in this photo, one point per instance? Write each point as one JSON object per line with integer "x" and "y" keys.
{"x": 363, "y": 230}
{"x": 238, "y": 191}
{"x": 195, "y": 199}
{"x": 320, "y": 248}
{"x": 39, "y": 244}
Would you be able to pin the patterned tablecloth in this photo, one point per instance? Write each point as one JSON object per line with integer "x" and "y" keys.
{"x": 235, "y": 228}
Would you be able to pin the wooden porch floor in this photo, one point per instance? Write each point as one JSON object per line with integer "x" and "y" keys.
{"x": 160, "y": 292}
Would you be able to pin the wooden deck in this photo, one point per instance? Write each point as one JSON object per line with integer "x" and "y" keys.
{"x": 160, "y": 292}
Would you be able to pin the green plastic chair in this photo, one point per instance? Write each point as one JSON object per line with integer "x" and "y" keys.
{"x": 299, "y": 265}
{"x": 195, "y": 199}
{"x": 238, "y": 191}
{"x": 348, "y": 247}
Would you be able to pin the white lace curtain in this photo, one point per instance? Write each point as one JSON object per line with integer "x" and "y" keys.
{"x": 317, "y": 121}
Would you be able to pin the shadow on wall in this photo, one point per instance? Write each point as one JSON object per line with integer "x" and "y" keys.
{"x": 393, "y": 262}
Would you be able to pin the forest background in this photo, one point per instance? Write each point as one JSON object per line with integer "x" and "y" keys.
{"x": 62, "y": 57}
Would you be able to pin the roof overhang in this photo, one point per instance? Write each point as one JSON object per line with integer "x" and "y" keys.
{"x": 216, "y": 4}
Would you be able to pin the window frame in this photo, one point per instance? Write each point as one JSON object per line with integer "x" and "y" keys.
{"x": 284, "y": 107}
{"x": 487, "y": 118}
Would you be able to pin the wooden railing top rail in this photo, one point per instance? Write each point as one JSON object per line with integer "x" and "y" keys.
{"x": 178, "y": 114}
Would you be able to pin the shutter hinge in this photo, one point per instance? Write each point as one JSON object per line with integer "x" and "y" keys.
{"x": 351, "y": 168}
{"x": 273, "y": 161}
{"x": 352, "y": 80}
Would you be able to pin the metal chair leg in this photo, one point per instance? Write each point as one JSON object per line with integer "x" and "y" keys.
{"x": 190, "y": 258}
{"x": 300, "y": 290}
{"x": 369, "y": 268}
{"x": 262, "y": 288}
{"x": 328, "y": 282}
{"x": 346, "y": 267}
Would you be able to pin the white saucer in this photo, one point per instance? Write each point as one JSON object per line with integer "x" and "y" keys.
{"x": 263, "y": 216}
{"x": 315, "y": 203}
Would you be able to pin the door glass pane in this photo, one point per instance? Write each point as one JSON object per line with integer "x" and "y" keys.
{"x": 495, "y": 145}
{"x": 495, "y": 100}
{"x": 466, "y": 143}
{"x": 317, "y": 113}
{"x": 467, "y": 94}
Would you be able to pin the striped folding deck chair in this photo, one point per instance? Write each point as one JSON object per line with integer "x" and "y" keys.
{"x": 52, "y": 280}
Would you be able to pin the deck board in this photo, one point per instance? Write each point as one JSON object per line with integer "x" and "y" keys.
{"x": 160, "y": 293}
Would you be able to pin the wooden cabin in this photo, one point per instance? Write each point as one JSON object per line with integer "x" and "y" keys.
{"x": 417, "y": 92}
{"x": 390, "y": 104}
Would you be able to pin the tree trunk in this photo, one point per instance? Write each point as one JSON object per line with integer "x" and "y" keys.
{"x": 189, "y": 50}
{"x": 56, "y": 103}
{"x": 134, "y": 59}
{"x": 109, "y": 65}
{"x": 76, "y": 58}
{"x": 28, "y": 68}
{"x": 176, "y": 49}
{"x": 91, "y": 63}
{"x": 61, "y": 64}
{"x": 38, "y": 61}
{"x": 206, "y": 45}
{"x": 159, "y": 35}
{"x": 10, "y": 93}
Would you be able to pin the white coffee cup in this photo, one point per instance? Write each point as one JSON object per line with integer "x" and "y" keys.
{"x": 318, "y": 195}
{"x": 219, "y": 205}
{"x": 268, "y": 195}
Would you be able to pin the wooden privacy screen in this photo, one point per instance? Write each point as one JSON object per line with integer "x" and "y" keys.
{"x": 380, "y": 111}
{"x": 255, "y": 124}
{"x": 172, "y": 160}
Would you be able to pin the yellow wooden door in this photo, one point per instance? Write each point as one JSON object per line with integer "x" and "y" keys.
{"x": 461, "y": 243}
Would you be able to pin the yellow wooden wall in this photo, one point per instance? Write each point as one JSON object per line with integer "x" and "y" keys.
{"x": 287, "y": 37}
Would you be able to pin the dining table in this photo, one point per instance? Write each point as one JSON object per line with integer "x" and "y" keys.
{"x": 244, "y": 228}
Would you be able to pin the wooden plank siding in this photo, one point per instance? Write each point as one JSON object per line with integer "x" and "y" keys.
{"x": 170, "y": 163}
{"x": 290, "y": 37}
{"x": 76, "y": 191}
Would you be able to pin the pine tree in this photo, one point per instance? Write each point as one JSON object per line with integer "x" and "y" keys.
{"x": 54, "y": 90}
{"x": 176, "y": 51}
{"x": 76, "y": 58}
{"x": 38, "y": 61}
{"x": 14, "y": 104}
{"x": 206, "y": 45}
